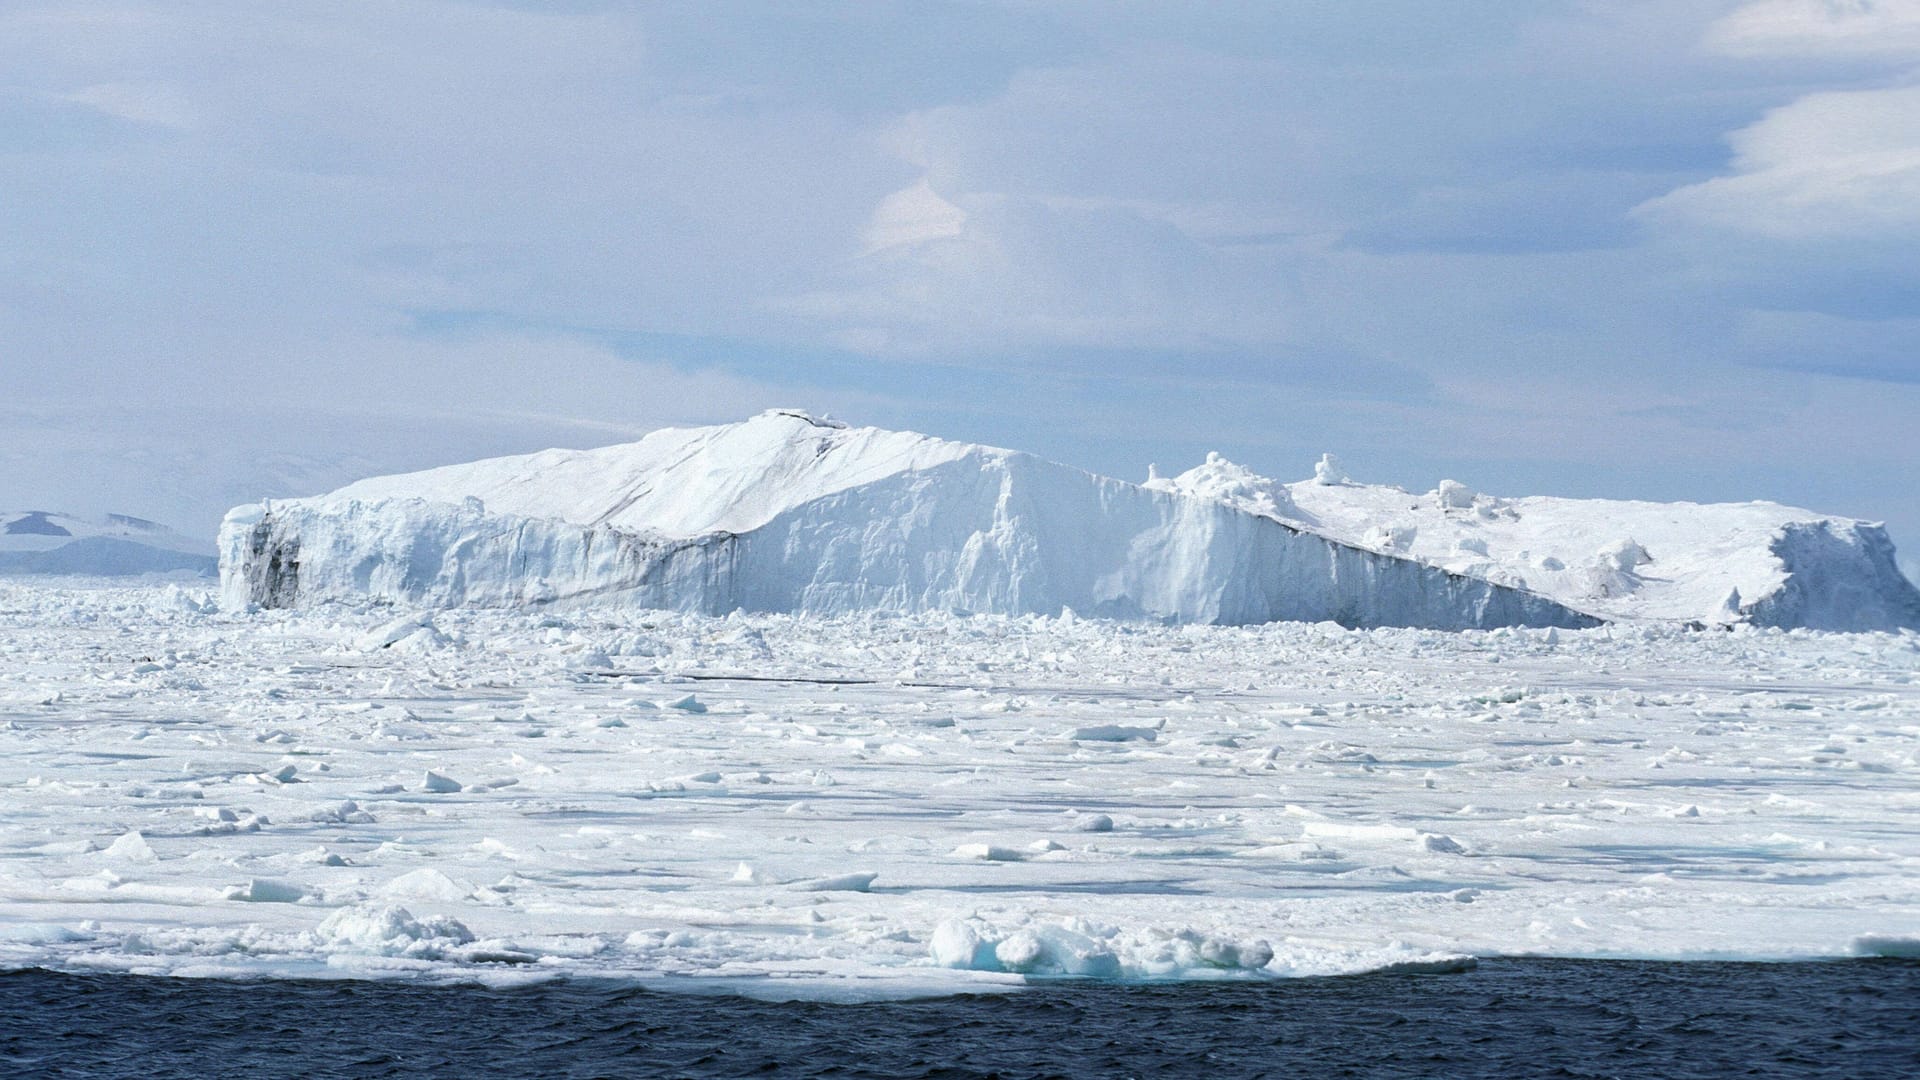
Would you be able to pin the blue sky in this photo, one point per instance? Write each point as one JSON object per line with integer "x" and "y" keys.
{"x": 1629, "y": 249}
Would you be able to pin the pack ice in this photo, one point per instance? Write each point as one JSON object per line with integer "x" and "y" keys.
{"x": 790, "y": 513}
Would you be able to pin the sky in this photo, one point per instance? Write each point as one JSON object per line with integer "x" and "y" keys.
{"x": 1660, "y": 249}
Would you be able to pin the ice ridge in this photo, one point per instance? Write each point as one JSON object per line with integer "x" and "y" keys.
{"x": 789, "y": 513}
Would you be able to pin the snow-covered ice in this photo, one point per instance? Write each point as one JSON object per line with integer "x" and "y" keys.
{"x": 909, "y": 804}
{"x": 790, "y": 513}
{"x": 1714, "y": 564}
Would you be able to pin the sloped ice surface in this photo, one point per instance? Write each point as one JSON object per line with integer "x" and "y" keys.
{"x": 785, "y": 513}
{"x": 1714, "y": 564}
{"x": 871, "y": 805}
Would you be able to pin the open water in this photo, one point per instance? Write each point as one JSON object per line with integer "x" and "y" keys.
{"x": 1508, "y": 1018}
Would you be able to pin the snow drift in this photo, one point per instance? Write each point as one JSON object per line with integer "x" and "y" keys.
{"x": 786, "y": 512}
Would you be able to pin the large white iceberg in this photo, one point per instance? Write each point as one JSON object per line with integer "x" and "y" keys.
{"x": 786, "y": 512}
{"x": 1712, "y": 564}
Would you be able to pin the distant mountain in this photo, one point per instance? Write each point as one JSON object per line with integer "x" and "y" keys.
{"x": 48, "y": 542}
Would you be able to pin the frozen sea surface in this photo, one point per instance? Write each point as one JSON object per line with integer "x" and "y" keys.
{"x": 1857, "y": 1020}
{"x": 881, "y": 808}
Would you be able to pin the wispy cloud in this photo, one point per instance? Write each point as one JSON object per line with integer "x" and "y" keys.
{"x": 1835, "y": 28}
{"x": 1112, "y": 233}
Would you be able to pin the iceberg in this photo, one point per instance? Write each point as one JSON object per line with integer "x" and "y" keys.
{"x": 788, "y": 512}
{"x": 1722, "y": 564}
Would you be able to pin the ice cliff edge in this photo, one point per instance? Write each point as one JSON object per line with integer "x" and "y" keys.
{"x": 1712, "y": 564}
{"x": 788, "y": 512}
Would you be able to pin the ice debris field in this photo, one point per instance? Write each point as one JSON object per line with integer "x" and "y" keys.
{"x": 874, "y": 804}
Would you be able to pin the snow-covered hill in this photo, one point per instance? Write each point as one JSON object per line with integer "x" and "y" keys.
{"x": 1716, "y": 564}
{"x": 44, "y": 542}
{"x": 786, "y": 512}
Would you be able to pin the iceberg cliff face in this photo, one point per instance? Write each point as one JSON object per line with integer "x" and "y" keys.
{"x": 788, "y": 513}
{"x": 1719, "y": 564}
{"x": 1838, "y": 575}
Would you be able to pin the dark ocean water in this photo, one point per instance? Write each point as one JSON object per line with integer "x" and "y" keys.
{"x": 1516, "y": 1018}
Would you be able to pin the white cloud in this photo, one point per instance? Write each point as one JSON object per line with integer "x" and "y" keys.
{"x": 1769, "y": 28}
{"x": 305, "y": 209}
{"x": 1838, "y": 164}
{"x": 913, "y": 215}
{"x": 1007, "y": 274}
{"x": 331, "y": 411}
{"x": 142, "y": 103}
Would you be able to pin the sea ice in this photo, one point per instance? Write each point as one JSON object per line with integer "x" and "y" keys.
{"x": 1313, "y": 800}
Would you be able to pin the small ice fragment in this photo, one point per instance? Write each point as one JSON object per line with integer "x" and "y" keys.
{"x": 283, "y": 775}
{"x": 396, "y": 631}
{"x": 1445, "y": 845}
{"x": 426, "y": 883}
{"x": 1021, "y": 951}
{"x": 1113, "y": 733}
{"x": 859, "y": 882}
{"x": 1454, "y": 495}
{"x": 390, "y": 931}
{"x": 1623, "y": 555}
{"x": 1329, "y": 472}
{"x": 686, "y": 703}
{"x": 131, "y": 847}
{"x": 956, "y": 944}
{"x": 593, "y": 659}
{"x": 347, "y": 812}
{"x": 441, "y": 785}
{"x": 1093, "y": 823}
{"x": 988, "y": 852}
{"x": 266, "y": 891}
{"x": 1251, "y": 956}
